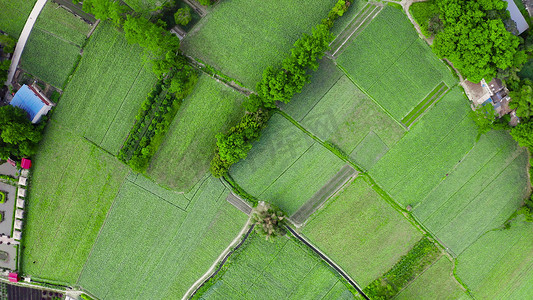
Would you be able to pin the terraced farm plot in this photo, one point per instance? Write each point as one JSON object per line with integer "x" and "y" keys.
{"x": 184, "y": 156}
{"x": 400, "y": 70}
{"x": 286, "y": 167}
{"x": 145, "y": 237}
{"x": 282, "y": 269}
{"x": 361, "y": 232}
{"x": 73, "y": 186}
{"x": 54, "y": 45}
{"x": 499, "y": 265}
{"x": 242, "y": 38}
{"x": 101, "y": 101}
{"x": 437, "y": 282}
{"x": 14, "y": 14}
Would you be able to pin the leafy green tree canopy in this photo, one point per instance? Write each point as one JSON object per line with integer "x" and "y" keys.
{"x": 18, "y": 136}
{"x": 474, "y": 37}
{"x": 183, "y": 16}
{"x": 522, "y": 100}
{"x": 523, "y": 134}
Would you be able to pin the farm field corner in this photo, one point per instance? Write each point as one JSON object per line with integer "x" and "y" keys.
{"x": 14, "y": 14}
{"x": 148, "y": 235}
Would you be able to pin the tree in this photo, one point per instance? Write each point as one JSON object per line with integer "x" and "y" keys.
{"x": 205, "y": 2}
{"x": 484, "y": 118}
{"x": 105, "y": 9}
{"x": 8, "y": 43}
{"x": 474, "y": 37}
{"x": 18, "y": 136}
{"x": 183, "y": 16}
{"x": 522, "y": 100}
{"x": 523, "y": 134}
{"x": 269, "y": 221}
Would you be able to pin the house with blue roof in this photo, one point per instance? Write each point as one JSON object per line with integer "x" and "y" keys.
{"x": 31, "y": 100}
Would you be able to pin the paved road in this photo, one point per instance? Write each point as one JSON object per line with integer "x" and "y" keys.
{"x": 24, "y": 38}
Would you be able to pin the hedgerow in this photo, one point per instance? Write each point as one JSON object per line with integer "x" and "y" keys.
{"x": 278, "y": 84}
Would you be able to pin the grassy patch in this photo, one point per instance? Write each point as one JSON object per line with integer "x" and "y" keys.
{"x": 437, "y": 282}
{"x": 282, "y": 269}
{"x": 421, "y": 256}
{"x": 361, "y": 232}
{"x": 400, "y": 70}
{"x": 49, "y": 58}
{"x": 422, "y": 12}
{"x": 184, "y": 156}
{"x": 241, "y": 38}
{"x": 144, "y": 6}
{"x": 498, "y": 265}
{"x": 73, "y": 186}
{"x": 145, "y": 237}
{"x": 13, "y": 15}
{"x": 106, "y": 91}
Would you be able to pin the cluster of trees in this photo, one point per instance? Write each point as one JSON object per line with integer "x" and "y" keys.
{"x": 269, "y": 221}
{"x": 160, "y": 45}
{"x": 277, "y": 84}
{"x": 154, "y": 118}
{"x": 18, "y": 136}
{"x": 8, "y": 46}
{"x": 475, "y": 39}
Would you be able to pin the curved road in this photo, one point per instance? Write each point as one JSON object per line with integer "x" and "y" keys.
{"x": 23, "y": 38}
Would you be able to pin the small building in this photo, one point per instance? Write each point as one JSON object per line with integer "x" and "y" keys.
{"x": 19, "y": 213}
{"x": 25, "y": 164}
{"x": 20, "y": 203}
{"x": 484, "y": 93}
{"x": 21, "y": 193}
{"x": 18, "y": 225}
{"x": 35, "y": 103}
{"x": 516, "y": 16}
{"x": 17, "y": 235}
{"x": 13, "y": 277}
{"x": 23, "y": 181}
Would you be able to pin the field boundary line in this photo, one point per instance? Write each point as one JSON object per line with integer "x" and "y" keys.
{"x": 370, "y": 97}
{"x": 286, "y": 169}
{"x": 370, "y": 17}
{"x": 430, "y": 151}
{"x": 120, "y": 108}
{"x": 466, "y": 182}
{"x": 67, "y": 208}
{"x": 471, "y": 177}
{"x": 324, "y": 95}
{"x": 161, "y": 198}
{"x": 329, "y": 261}
{"x": 484, "y": 230}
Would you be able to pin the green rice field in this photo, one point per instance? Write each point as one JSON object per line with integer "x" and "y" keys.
{"x": 146, "y": 236}
{"x": 14, "y": 14}
{"x": 73, "y": 186}
{"x": 241, "y": 38}
{"x": 185, "y": 155}
{"x": 361, "y": 232}
{"x": 400, "y": 70}
{"x": 286, "y": 167}
{"x": 283, "y": 269}
{"x": 111, "y": 82}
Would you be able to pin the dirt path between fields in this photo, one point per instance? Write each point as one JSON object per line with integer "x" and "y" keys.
{"x": 221, "y": 259}
{"x": 23, "y": 38}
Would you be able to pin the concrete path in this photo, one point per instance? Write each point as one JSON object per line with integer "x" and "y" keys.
{"x": 24, "y": 38}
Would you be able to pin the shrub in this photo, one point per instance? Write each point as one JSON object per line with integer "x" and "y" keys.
{"x": 183, "y": 16}
{"x": 2, "y": 197}
{"x": 269, "y": 221}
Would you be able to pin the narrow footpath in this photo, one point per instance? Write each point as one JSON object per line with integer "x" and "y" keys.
{"x": 23, "y": 38}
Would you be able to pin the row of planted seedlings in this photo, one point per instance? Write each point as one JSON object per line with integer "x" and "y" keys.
{"x": 155, "y": 116}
